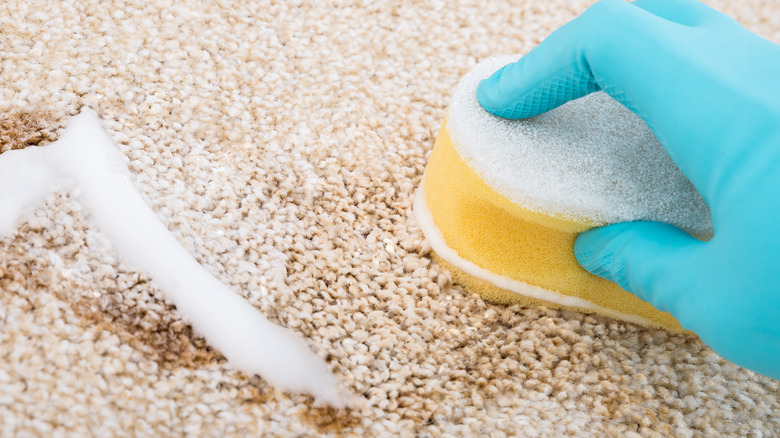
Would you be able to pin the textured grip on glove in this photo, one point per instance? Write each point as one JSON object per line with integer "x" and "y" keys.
{"x": 552, "y": 93}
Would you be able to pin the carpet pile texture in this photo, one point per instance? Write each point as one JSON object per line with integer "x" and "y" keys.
{"x": 281, "y": 142}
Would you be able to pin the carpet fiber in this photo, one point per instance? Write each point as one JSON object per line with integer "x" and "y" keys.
{"x": 281, "y": 144}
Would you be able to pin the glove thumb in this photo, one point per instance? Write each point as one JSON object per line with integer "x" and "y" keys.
{"x": 648, "y": 259}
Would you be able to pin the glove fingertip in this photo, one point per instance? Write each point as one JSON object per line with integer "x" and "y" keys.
{"x": 587, "y": 251}
{"x": 489, "y": 96}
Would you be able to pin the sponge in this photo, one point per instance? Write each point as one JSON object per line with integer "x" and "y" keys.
{"x": 502, "y": 201}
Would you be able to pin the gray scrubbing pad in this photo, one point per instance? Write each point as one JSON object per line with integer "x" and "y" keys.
{"x": 590, "y": 159}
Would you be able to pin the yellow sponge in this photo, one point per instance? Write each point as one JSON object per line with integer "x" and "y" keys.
{"x": 502, "y": 201}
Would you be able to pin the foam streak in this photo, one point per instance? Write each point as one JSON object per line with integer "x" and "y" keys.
{"x": 85, "y": 161}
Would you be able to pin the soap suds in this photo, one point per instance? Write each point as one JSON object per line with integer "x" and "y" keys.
{"x": 589, "y": 159}
{"x": 85, "y": 162}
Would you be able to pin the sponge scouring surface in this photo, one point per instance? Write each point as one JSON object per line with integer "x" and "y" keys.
{"x": 503, "y": 200}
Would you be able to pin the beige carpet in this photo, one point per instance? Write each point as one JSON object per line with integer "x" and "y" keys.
{"x": 281, "y": 144}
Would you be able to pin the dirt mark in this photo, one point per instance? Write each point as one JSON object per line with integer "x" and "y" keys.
{"x": 161, "y": 336}
{"x": 19, "y": 130}
{"x": 133, "y": 313}
{"x": 326, "y": 419}
{"x": 123, "y": 303}
{"x": 329, "y": 419}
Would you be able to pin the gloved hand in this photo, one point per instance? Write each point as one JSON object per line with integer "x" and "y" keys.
{"x": 710, "y": 91}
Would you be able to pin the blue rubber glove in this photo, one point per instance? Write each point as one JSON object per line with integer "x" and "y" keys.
{"x": 710, "y": 91}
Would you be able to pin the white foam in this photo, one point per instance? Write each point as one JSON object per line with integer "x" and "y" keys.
{"x": 85, "y": 161}
{"x": 589, "y": 159}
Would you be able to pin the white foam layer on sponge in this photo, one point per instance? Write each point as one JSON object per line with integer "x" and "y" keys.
{"x": 589, "y": 159}
{"x": 85, "y": 162}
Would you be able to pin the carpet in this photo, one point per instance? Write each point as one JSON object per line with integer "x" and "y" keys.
{"x": 281, "y": 143}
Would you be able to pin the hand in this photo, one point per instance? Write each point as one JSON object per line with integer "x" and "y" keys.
{"x": 710, "y": 91}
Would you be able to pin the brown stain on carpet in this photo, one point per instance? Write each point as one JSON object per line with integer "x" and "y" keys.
{"x": 169, "y": 342}
{"x": 329, "y": 419}
{"x": 160, "y": 335}
{"x": 22, "y": 129}
{"x": 253, "y": 390}
{"x": 156, "y": 330}
{"x": 151, "y": 329}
